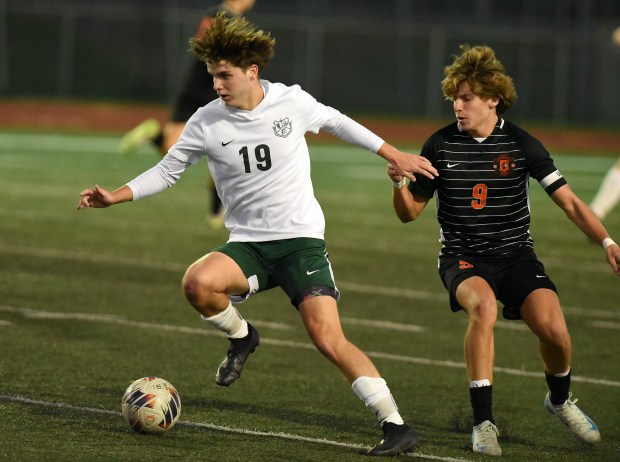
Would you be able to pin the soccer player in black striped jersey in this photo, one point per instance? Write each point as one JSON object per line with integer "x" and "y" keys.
{"x": 484, "y": 164}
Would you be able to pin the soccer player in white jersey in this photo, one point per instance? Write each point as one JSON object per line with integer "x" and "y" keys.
{"x": 253, "y": 140}
{"x": 608, "y": 194}
{"x": 487, "y": 254}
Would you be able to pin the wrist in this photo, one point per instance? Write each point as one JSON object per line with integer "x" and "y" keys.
{"x": 607, "y": 242}
{"x": 399, "y": 184}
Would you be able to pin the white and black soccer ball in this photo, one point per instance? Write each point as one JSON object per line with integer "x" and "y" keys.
{"x": 151, "y": 405}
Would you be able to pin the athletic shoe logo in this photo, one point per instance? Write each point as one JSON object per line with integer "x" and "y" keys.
{"x": 311, "y": 272}
{"x": 282, "y": 127}
{"x": 541, "y": 276}
{"x": 226, "y": 144}
{"x": 453, "y": 165}
{"x": 465, "y": 265}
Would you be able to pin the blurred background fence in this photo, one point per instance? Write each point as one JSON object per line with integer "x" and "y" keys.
{"x": 371, "y": 57}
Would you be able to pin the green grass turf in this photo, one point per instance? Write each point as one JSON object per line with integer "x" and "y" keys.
{"x": 91, "y": 300}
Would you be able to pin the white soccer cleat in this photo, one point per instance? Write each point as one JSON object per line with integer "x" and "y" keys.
{"x": 577, "y": 422}
{"x": 484, "y": 439}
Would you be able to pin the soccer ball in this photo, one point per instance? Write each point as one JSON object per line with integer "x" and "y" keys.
{"x": 151, "y": 405}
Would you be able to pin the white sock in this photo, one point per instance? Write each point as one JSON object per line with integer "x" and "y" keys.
{"x": 480, "y": 383}
{"x": 608, "y": 194}
{"x": 376, "y": 395}
{"x": 229, "y": 321}
{"x": 562, "y": 374}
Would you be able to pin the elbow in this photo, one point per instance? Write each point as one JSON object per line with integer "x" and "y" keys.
{"x": 406, "y": 217}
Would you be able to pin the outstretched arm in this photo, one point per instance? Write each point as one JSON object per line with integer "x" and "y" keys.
{"x": 406, "y": 165}
{"x": 351, "y": 131}
{"x": 580, "y": 214}
{"x": 100, "y": 198}
{"x": 406, "y": 205}
{"x": 156, "y": 179}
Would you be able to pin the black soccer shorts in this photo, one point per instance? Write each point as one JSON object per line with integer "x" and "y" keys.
{"x": 512, "y": 278}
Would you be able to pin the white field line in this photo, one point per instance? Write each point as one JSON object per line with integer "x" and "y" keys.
{"x": 239, "y": 431}
{"x": 46, "y": 142}
{"x": 349, "y": 286}
{"x": 605, "y": 324}
{"x": 382, "y": 324}
{"x": 117, "y": 320}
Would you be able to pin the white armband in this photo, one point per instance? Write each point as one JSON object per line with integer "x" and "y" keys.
{"x": 607, "y": 242}
{"x": 399, "y": 184}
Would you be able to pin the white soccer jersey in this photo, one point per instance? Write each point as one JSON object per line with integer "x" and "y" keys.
{"x": 259, "y": 161}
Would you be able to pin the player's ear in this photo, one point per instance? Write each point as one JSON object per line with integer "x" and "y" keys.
{"x": 493, "y": 102}
{"x": 253, "y": 72}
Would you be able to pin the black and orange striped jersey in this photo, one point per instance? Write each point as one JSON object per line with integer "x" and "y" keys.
{"x": 483, "y": 187}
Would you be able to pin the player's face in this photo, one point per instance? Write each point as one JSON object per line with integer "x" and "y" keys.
{"x": 476, "y": 115}
{"x": 239, "y": 6}
{"x": 233, "y": 84}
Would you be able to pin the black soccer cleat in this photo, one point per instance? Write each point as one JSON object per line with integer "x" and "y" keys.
{"x": 238, "y": 353}
{"x": 396, "y": 440}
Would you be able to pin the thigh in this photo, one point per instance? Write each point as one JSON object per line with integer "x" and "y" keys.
{"x": 247, "y": 257}
{"x": 517, "y": 280}
{"x": 476, "y": 297}
{"x": 301, "y": 264}
{"x": 455, "y": 271}
{"x": 542, "y": 313}
{"x": 321, "y": 318}
{"x": 219, "y": 272}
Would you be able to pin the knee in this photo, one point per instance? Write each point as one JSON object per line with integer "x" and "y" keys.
{"x": 329, "y": 345}
{"x": 484, "y": 314}
{"x": 195, "y": 286}
{"x": 555, "y": 333}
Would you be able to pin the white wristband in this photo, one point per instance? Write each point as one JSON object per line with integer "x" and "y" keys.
{"x": 399, "y": 184}
{"x": 607, "y": 242}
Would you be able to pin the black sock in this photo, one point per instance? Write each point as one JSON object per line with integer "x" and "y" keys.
{"x": 558, "y": 386}
{"x": 158, "y": 141}
{"x": 482, "y": 404}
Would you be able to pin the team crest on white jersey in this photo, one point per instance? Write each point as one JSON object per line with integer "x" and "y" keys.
{"x": 282, "y": 127}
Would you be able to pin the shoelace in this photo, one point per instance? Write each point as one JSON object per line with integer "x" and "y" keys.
{"x": 573, "y": 414}
{"x": 487, "y": 435}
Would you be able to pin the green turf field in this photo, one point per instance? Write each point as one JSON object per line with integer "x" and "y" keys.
{"x": 91, "y": 300}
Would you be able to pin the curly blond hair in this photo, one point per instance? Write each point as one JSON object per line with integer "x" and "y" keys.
{"x": 235, "y": 40}
{"x": 484, "y": 74}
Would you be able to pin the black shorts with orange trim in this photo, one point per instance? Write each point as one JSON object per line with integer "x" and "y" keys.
{"x": 512, "y": 277}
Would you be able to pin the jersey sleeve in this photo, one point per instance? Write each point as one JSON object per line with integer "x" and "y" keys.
{"x": 185, "y": 152}
{"x": 539, "y": 162}
{"x": 162, "y": 176}
{"x": 322, "y": 117}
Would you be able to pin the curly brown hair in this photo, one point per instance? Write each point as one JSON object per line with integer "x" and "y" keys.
{"x": 235, "y": 40}
{"x": 484, "y": 74}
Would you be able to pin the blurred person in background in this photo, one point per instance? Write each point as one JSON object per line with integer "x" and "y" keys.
{"x": 197, "y": 91}
{"x": 253, "y": 138}
{"x": 608, "y": 194}
{"x": 487, "y": 254}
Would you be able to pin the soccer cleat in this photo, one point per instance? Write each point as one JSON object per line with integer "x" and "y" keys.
{"x": 238, "y": 353}
{"x": 577, "y": 422}
{"x": 139, "y": 135}
{"x": 484, "y": 439}
{"x": 396, "y": 439}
